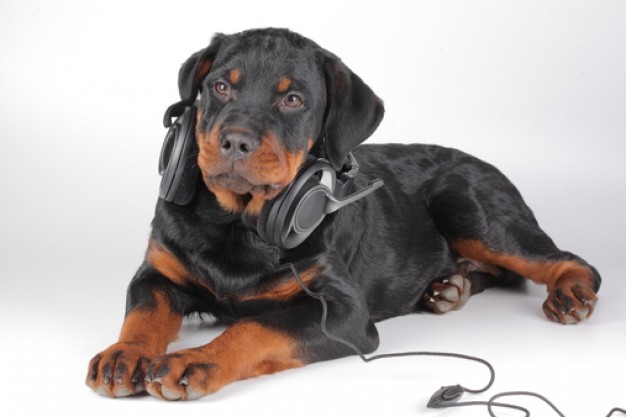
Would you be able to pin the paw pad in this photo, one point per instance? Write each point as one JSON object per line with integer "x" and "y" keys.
{"x": 450, "y": 294}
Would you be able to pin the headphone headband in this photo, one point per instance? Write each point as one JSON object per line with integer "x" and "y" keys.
{"x": 176, "y": 110}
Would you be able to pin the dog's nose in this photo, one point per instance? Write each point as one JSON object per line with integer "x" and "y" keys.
{"x": 237, "y": 145}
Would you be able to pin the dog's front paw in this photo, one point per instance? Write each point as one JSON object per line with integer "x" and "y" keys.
{"x": 120, "y": 370}
{"x": 570, "y": 302}
{"x": 183, "y": 375}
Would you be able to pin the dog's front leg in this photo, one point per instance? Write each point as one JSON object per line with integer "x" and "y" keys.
{"x": 151, "y": 323}
{"x": 266, "y": 344}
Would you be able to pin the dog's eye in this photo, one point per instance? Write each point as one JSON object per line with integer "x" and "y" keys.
{"x": 292, "y": 101}
{"x": 221, "y": 88}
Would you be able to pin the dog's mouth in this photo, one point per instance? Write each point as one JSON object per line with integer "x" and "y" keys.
{"x": 245, "y": 186}
{"x": 237, "y": 184}
{"x": 235, "y": 193}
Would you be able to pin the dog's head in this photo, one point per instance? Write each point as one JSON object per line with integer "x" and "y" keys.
{"x": 265, "y": 99}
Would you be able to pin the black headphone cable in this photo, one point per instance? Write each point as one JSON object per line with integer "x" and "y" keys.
{"x": 447, "y": 396}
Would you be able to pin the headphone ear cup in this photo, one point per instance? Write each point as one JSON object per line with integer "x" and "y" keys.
{"x": 267, "y": 217}
{"x": 290, "y": 218}
{"x": 262, "y": 221}
{"x": 178, "y": 160}
{"x": 310, "y": 209}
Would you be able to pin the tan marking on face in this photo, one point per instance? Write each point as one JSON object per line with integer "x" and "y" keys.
{"x": 229, "y": 200}
{"x": 234, "y": 75}
{"x": 268, "y": 170}
{"x": 283, "y": 84}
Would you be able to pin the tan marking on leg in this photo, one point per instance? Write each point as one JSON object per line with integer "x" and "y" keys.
{"x": 548, "y": 272}
{"x": 571, "y": 285}
{"x": 244, "y": 350}
{"x": 156, "y": 327}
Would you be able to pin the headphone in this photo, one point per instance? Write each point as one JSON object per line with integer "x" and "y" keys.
{"x": 285, "y": 221}
{"x": 178, "y": 160}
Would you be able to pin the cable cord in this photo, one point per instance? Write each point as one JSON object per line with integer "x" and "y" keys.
{"x": 447, "y": 396}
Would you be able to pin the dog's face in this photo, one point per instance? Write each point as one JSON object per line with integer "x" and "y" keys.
{"x": 264, "y": 99}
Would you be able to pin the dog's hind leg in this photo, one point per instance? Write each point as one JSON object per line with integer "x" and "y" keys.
{"x": 485, "y": 220}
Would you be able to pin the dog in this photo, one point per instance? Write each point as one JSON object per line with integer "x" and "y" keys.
{"x": 445, "y": 225}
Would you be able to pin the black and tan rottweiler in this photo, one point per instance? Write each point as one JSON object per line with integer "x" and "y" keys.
{"x": 444, "y": 226}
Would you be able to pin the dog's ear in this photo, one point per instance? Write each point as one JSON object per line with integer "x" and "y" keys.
{"x": 353, "y": 111}
{"x": 196, "y": 68}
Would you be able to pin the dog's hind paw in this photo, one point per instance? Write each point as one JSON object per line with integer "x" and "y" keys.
{"x": 570, "y": 302}
{"x": 447, "y": 295}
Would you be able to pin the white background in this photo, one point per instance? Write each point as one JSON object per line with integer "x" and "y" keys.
{"x": 537, "y": 88}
